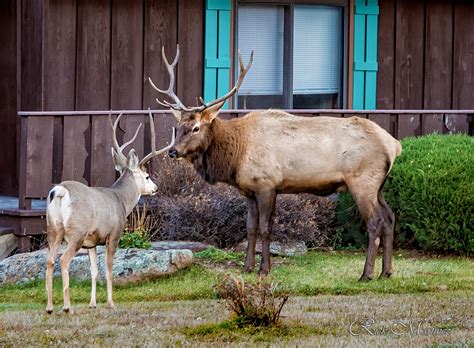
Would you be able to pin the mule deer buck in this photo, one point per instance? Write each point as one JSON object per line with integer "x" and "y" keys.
{"x": 269, "y": 152}
{"x": 88, "y": 216}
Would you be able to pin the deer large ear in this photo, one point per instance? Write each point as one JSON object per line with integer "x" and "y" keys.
{"x": 209, "y": 114}
{"x": 132, "y": 160}
{"x": 119, "y": 162}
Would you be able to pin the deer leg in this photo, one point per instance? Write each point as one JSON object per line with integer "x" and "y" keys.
{"x": 252, "y": 229}
{"x": 94, "y": 274}
{"x": 53, "y": 243}
{"x": 65, "y": 261}
{"x": 266, "y": 207}
{"x": 387, "y": 238}
{"x": 111, "y": 247}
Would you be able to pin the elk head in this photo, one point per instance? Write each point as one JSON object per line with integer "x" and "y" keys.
{"x": 131, "y": 162}
{"x": 194, "y": 123}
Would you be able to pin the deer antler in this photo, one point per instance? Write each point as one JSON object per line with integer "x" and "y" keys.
{"x": 154, "y": 152}
{"x": 178, "y": 104}
{"x": 119, "y": 149}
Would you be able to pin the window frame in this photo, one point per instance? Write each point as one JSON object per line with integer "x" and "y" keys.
{"x": 288, "y": 44}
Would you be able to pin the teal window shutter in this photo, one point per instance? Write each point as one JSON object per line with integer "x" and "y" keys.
{"x": 365, "y": 54}
{"x": 217, "y": 49}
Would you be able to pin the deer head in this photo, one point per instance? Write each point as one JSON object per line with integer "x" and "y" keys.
{"x": 131, "y": 162}
{"x": 194, "y": 123}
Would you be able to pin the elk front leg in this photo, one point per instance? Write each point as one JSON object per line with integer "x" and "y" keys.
{"x": 65, "y": 261}
{"x": 266, "y": 207}
{"x": 252, "y": 229}
{"x": 94, "y": 274}
{"x": 388, "y": 226}
{"x": 111, "y": 247}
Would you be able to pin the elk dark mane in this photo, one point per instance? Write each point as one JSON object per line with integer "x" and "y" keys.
{"x": 221, "y": 158}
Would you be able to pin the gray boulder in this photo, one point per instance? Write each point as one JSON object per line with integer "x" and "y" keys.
{"x": 289, "y": 248}
{"x": 130, "y": 265}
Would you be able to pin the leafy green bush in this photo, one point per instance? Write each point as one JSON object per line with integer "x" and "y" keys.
{"x": 431, "y": 192}
{"x": 137, "y": 238}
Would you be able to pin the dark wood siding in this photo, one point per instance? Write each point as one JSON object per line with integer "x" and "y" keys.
{"x": 426, "y": 54}
{"x": 8, "y": 97}
{"x": 91, "y": 55}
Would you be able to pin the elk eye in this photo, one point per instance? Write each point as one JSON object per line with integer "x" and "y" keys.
{"x": 196, "y": 129}
{"x": 147, "y": 177}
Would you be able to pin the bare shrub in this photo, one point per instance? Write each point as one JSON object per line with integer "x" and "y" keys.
{"x": 252, "y": 304}
{"x": 187, "y": 208}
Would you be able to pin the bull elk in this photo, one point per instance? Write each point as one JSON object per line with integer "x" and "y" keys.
{"x": 269, "y": 152}
{"x": 89, "y": 216}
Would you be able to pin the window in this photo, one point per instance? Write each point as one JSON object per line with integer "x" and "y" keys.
{"x": 298, "y": 55}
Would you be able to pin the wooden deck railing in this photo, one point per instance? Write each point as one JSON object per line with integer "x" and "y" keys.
{"x": 75, "y": 145}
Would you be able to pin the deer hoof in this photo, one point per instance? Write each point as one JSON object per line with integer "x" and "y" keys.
{"x": 92, "y": 306}
{"x": 49, "y": 311}
{"x": 67, "y": 310}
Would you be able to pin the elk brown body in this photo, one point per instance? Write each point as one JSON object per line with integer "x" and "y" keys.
{"x": 269, "y": 152}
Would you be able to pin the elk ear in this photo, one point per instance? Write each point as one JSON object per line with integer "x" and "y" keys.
{"x": 177, "y": 114}
{"x": 209, "y": 114}
{"x": 133, "y": 160}
{"x": 119, "y": 162}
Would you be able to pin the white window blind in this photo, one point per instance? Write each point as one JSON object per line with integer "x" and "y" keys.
{"x": 317, "y": 49}
{"x": 260, "y": 28}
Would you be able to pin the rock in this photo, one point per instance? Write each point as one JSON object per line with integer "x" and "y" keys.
{"x": 130, "y": 265}
{"x": 290, "y": 248}
{"x": 8, "y": 243}
{"x": 171, "y": 245}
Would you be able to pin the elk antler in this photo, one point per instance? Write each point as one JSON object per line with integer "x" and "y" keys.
{"x": 119, "y": 149}
{"x": 154, "y": 152}
{"x": 178, "y": 104}
{"x": 170, "y": 91}
{"x": 243, "y": 70}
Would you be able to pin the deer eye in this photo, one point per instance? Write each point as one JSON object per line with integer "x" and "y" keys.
{"x": 195, "y": 129}
{"x": 147, "y": 177}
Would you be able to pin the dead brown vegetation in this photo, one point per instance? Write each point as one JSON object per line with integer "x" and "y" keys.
{"x": 187, "y": 208}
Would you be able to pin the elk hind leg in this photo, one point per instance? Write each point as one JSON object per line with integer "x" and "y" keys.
{"x": 387, "y": 237}
{"x": 94, "y": 274}
{"x": 371, "y": 213}
{"x": 252, "y": 229}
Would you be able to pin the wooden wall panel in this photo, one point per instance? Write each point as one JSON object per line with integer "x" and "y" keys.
{"x": 438, "y": 55}
{"x": 434, "y": 55}
{"x": 8, "y": 99}
{"x": 59, "y": 54}
{"x": 191, "y": 40}
{"x": 386, "y": 55}
{"x": 409, "y": 55}
{"x": 127, "y": 63}
{"x": 38, "y": 159}
{"x": 463, "y": 70}
{"x": 161, "y": 29}
{"x": 75, "y": 148}
{"x": 102, "y": 167}
{"x": 31, "y": 54}
{"x": 93, "y": 55}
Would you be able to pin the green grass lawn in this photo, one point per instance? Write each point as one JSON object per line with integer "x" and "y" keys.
{"x": 323, "y": 292}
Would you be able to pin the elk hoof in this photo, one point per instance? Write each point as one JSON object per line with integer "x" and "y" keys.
{"x": 263, "y": 272}
{"x": 364, "y": 279}
{"x": 49, "y": 311}
{"x": 248, "y": 269}
{"x": 385, "y": 275}
{"x": 66, "y": 310}
{"x": 92, "y": 306}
